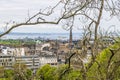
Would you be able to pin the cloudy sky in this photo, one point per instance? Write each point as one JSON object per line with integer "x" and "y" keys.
{"x": 17, "y": 10}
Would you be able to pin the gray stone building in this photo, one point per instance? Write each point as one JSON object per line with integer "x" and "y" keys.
{"x": 6, "y": 61}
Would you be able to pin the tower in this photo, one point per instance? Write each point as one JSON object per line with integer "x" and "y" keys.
{"x": 70, "y": 38}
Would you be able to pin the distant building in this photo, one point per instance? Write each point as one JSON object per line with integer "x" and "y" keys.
{"x": 29, "y": 49}
{"x": 32, "y": 62}
{"x": 6, "y": 61}
{"x": 38, "y": 46}
{"x": 48, "y": 59}
{"x": 33, "y": 56}
{"x": 45, "y": 47}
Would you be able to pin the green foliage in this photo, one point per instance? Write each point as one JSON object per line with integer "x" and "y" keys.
{"x": 2, "y": 71}
{"x": 46, "y": 72}
{"x": 60, "y": 70}
{"x": 28, "y": 74}
{"x": 10, "y": 42}
{"x": 52, "y": 73}
{"x": 16, "y": 43}
{"x": 4, "y": 79}
{"x": 9, "y": 74}
{"x": 92, "y": 74}
{"x": 16, "y": 75}
{"x": 21, "y": 72}
{"x": 100, "y": 69}
{"x": 72, "y": 75}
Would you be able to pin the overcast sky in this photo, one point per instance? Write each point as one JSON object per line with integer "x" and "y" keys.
{"x": 17, "y": 10}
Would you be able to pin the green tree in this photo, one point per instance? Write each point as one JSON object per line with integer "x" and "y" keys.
{"x": 21, "y": 72}
{"x": 71, "y": 75}
{"x": 29, "y": 74}
{"x": 107, "y": 65}
{"x": 9, "y": 74}
{"x": 46, "y": 73}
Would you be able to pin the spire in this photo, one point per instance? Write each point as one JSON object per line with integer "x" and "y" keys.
{"x": 70, "y": 38}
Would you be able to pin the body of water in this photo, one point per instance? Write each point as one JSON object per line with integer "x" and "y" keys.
{"x": 60, "y": 36}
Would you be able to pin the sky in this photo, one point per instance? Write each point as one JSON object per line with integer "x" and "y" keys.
{"x": 17, "y": 10}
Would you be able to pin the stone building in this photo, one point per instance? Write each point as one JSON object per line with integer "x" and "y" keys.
{"x": 6, "y": 61}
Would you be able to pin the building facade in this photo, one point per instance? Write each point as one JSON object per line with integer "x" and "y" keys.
{"x": 7, "y": 61}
